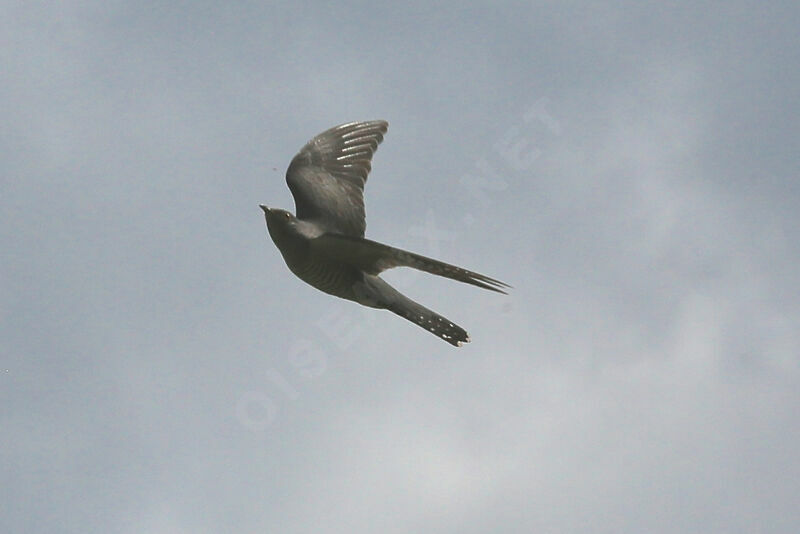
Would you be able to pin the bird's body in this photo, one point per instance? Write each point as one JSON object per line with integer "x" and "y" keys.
{"x": 324, "y": 244}
{"x": 334, "y": 277}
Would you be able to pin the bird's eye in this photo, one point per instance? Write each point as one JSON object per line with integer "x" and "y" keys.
{"x": 287, "y": 215}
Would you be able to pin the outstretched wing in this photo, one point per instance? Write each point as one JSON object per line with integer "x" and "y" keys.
{"x": 327, "y": 176}
{"x": 374, "y": 258}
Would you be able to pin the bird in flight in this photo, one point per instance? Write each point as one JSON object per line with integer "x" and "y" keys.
{"x": 324, "y": 244}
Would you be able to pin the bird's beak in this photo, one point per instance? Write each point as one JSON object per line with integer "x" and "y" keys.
{"x": 263, "y": 207}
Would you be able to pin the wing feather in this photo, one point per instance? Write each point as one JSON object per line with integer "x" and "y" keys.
{"x": 327, "y": 176}
{"x": 374, "y": 258}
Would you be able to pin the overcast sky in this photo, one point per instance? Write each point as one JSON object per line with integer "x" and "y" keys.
{"x": 631, "y": 170}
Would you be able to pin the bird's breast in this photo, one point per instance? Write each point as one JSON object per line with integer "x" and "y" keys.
{"x": 334, "y": 278}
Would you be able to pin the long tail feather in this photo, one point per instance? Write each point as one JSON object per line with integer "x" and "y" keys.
{"x": 376, "y": 292}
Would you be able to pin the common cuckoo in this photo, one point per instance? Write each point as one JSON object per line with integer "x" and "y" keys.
{"x": 324, "y": 243}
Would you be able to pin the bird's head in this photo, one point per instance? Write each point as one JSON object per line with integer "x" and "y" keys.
{"x": 278, "y": 220}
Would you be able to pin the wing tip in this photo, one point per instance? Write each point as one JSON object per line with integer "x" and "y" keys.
{"x": 381, "y": 124}
{"x": 490, "y": 283}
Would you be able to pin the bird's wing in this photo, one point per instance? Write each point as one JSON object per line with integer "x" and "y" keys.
{"x": 327, "y": 176}
{"x": 373, "y": 257}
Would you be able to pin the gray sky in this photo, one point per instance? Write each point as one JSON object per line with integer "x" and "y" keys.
{"x": 632, "y": 171}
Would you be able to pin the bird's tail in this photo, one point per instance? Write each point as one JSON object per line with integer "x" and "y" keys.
{"x": 429, "y": 320}
{"x": 379, "y": 294}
